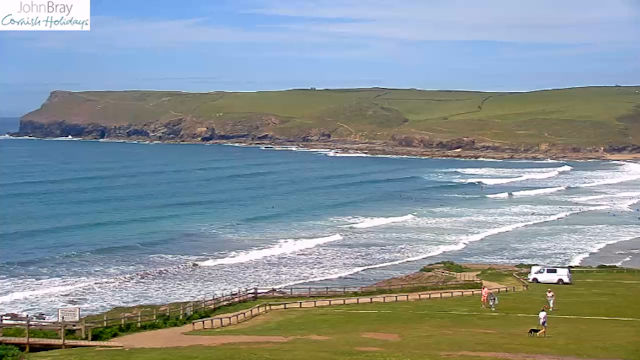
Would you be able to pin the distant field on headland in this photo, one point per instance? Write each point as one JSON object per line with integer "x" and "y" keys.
{"x": 589, "y": 119}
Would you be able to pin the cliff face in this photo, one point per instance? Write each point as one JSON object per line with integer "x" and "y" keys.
{"x": 547, "y": 122}
{"x": 69, "y": 114}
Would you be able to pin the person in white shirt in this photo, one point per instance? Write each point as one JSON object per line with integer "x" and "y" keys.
{"x": 551, "y": 298}
{"x": 542, "y": 316}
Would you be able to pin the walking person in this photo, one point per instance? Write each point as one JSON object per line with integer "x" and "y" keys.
{"x": 485, "y": 294}
{"x": 493, "y": 300}
{"x": 542, "y": 317}
{"x": 551, "y": 298}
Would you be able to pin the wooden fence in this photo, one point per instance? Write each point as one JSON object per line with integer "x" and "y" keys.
{"x": 183, "y": 310}
{"x": 313, "y": 291}
{"x": 85, "y": 326}
{"x": 241, "y": 316}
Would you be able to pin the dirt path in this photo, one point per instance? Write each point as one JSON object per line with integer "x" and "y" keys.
{"x": 175, "y": 337}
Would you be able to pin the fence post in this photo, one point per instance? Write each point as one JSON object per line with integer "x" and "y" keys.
{"x": 181, "y": 310}
{"x": 27, "y": 346}
{"x": 139, "y": 317}
{"x": 155, "y": 314}
{"x": 122, "y": 319}
{"x": 83, "y": 329}
{"x": 89, "y": 334}
{"x": 62, "y": 331}
{"x": 104, "y": 320}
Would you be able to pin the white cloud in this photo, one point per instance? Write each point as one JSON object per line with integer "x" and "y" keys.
{"x": 552, "y": 21}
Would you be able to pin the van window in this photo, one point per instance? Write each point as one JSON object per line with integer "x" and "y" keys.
{"x": 541, "y": 271}
{"x": 552, "y": 271}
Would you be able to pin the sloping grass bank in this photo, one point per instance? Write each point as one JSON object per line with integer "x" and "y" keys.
{"x": 589, "y": 322}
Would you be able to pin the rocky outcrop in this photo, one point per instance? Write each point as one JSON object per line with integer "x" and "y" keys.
{"x": 171, "y": 130}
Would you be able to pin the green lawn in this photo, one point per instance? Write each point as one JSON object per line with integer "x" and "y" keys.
{"x": 427, "y": 329}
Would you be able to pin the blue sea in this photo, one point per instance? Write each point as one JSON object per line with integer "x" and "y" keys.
{"x": 103, "y": 224}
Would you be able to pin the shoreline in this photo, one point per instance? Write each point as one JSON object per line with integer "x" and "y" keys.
{"x": 378, "y": 149}
{"x": 623, "y": 253}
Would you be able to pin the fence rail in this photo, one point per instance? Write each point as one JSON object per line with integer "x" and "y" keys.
{"x": 311, "y": 291}
{"x": 183, "y": 310}
{"x": 241, "y": 316}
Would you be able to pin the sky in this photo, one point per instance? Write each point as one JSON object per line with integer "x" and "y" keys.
{"x": 248, "y": 45}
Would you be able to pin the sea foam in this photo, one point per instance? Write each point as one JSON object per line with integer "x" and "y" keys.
{"x": 364, "y": 223}
{"x": 466, "y": 240}
{"x": 627, "y": 172}
{"x": 281, "y": 247}
{"x": 533, "y": 175}
{"x": 19, "y": 295}
{"x": 533, "y": 192}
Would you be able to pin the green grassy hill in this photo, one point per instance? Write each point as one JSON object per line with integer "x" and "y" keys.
{"x": 583, "y": 117}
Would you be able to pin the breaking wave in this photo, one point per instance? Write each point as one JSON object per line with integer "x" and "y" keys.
{"x": 533, "y": 192}
{"x": 378, "y": 221}
{"x": 281, "y": 247}
{"x": 19, "y": 295}
{"x": 628, "y": 172}
{"x": 528, "y": 176}
{"x": 446, "y": 248}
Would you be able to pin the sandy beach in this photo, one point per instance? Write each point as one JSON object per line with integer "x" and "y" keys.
{"x": 624, "y": 253}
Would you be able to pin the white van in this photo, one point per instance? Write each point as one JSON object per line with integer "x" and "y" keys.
{"x": 550, "y": 275}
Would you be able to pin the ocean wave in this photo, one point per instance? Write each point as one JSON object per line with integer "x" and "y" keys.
{"x": 577, "y": 260}
{"x": 63, "y": 138}
{"x": 616, "y": 201}
{"x": 364, "y": 223}
{"x": 532, "y": 192}
{"x": 19, "y": 295}
{"x": 527, "y": 176}
{"x": 282, "y": 247}
{"x": 9, "y": 137}
{"x": 598, "y": 197}
{"x": 345, "y": 154}
{"x": 446, "y": 248}
{"x": 627, "y": 172}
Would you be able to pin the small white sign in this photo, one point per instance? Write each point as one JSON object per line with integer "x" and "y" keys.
{"x": 69, "y": 314}
{"x": 45, "y": 15}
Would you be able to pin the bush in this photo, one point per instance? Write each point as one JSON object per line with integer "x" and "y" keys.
{"x": 10, "y": 352}
{"x": 445, "y": 265}
{"x": 602, "y": 266}
{"x": 525, "y": 266}
{"x": 162, "y": 321}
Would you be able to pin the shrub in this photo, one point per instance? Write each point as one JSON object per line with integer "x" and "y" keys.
{"x": 10, "y": 352}
{"x": 525, "y": 266}
{"x": 445, "y": 265}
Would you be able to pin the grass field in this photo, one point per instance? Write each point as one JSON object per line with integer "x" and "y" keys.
{"x": 580, "y": 327}
{"x": 590, "y": 116}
